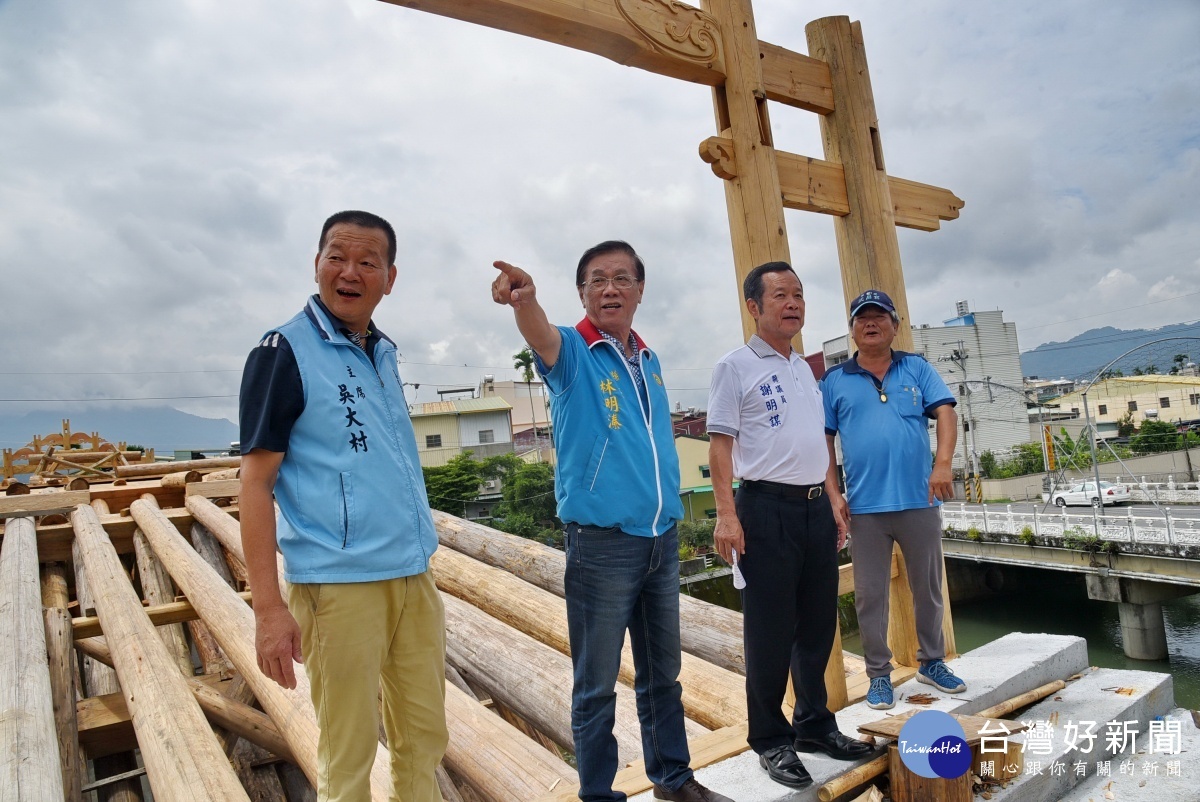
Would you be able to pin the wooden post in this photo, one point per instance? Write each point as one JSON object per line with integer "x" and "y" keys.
{"x": 157, "y": 589}
{"x": 212, "y": 658}
{"x": 164, "y": 468}
{"x": 61, "y": 653}
{"x": 226, "y": 473}
{"x": 528, "y": 676}
{"x": 706, "y": 630}
{"x": 868, "y": 250}
{"x": 902, "y": 621}
{"x": 752, "y": 193}
{"x": 712, "y": 696}
{"x": 181, "y": 478}
{"x": 181, "y": 755}
{"x": 493, "y": 757}
{"x": 907, "y": 786}
{"x": 835, "y": 674}
{"x": 100, "y": 680}
{"x": 30, "y": 767}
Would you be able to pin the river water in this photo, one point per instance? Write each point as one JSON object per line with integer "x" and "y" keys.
{"x": 1052, "y": 602}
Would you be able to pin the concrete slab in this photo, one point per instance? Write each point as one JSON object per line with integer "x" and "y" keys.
{"x": 1000, "y": 670}
{"x": 1057, "y": 751}
{"x": 1164, "y": 784}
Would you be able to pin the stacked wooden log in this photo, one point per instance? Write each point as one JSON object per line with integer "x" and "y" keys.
{"x": 170, "y": 698}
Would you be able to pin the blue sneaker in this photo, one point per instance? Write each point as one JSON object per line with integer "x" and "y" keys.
{"x": 880, "y": 695}
{"x": 937, "y": 674}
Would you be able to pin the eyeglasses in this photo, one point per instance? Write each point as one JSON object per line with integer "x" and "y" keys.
{"x": 599, "y": 284}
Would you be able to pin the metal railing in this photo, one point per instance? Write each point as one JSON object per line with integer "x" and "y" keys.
{"x": 1164, "y": 530}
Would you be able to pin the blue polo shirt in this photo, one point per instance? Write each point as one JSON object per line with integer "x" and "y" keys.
{"x": 885, "y": 444}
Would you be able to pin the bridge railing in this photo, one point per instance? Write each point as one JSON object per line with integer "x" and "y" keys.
{"x": 1163, "y": 530}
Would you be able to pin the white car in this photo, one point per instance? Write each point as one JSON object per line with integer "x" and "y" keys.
{"x": 1084, "y": 493}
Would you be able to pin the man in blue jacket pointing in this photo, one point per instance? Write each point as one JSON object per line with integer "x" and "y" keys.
{"x": 617, "y": 487}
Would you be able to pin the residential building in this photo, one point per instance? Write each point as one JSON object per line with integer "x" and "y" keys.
{"x": 689, "y": 421}
{"x": 695, "y": 482}
{"x": 530, "y": 402}
{"x": 445, "y": 429}
{"x": 1041, "y": 390}
{"x": 1154, "y": 397}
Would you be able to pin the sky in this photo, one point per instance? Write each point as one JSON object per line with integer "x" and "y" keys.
{"x": 166, "y": 168}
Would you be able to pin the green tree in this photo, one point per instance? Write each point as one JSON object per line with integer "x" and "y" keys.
{"x": 453, "y": 485}
{"x": 529, "y": 491}
{"x": 694, "y": 534}
{"x": 987, "y": 465}
{"x": 1125, "y": 427}
{"x": 523, "y": 361}
{"x": 1155, "y": 435}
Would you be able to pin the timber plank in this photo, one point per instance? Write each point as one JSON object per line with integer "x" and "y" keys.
{"x": 27, "y": 506}
{"x": 88, "y": 626}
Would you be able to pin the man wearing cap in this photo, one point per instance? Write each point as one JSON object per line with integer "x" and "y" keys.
{"x": 879, "y": 402}
{"x": 764, "y": 421}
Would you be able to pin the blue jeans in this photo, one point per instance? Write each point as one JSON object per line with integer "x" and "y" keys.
{"x": 616, "y": 581}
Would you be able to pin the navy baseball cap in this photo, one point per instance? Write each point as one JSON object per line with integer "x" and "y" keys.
{"x": 872, "y": 298}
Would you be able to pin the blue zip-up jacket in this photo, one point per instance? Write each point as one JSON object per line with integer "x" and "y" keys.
{"x": 350, "y": 489}
{"x": 617, "y": 464}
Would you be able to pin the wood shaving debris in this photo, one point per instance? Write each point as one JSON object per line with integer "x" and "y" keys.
{"x": 920, "y": 699}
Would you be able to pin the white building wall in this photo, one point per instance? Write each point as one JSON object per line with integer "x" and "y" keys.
{"x": 1000, "y": 419}
{"x": 469, "y": 427}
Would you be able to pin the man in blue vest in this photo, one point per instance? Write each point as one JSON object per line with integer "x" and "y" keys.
{"x": 325, "y": 430}
{"x": 617, "y": 487}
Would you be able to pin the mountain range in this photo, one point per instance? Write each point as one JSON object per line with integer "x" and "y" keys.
{"x": 1083, "y": 356}
{"x": 162, "y": 428}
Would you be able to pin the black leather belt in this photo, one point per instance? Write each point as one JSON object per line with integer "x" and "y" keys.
{"x": 809, "y": 492}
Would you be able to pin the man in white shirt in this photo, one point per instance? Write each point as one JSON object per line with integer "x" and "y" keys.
{"x": 766, "y": 424}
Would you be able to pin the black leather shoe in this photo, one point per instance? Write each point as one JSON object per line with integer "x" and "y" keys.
{"x": 784, "y": 767}
{"x": 836, "y": 745}
{"x": 690, "y": 791}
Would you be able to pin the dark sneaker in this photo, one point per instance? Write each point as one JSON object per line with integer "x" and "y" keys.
{"x": 880, "y": 696}
{"x": 784, "y": 767}
{"x": 690, "y": 791}
{"x": 937, "y": 674}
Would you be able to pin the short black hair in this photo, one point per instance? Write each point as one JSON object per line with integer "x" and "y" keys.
{"x": 752, "y": 287}
{"x": 362, "y": 220}
{"x": 604, "y": 248}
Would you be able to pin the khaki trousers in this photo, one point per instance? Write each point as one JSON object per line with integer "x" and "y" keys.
{"x": 356, "y": 637}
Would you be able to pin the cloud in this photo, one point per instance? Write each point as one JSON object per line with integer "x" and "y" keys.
{"x": 168, "y": 166}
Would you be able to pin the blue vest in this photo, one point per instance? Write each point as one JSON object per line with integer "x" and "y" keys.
{"x": 617, "y": 464}
{"x": 350, "y": 489}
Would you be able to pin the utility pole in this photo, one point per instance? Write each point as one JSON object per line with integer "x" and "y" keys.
{"x": 970, "y": 457}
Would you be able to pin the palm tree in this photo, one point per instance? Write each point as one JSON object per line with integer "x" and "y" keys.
{"x": 523, "y": 361}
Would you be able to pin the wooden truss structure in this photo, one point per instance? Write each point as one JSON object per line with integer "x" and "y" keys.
{"x": 127, "y": 627}
{"x": 55, "y": 457}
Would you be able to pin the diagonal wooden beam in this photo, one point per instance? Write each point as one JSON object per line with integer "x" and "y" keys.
{"x": 666, "y": 38}
{"x": 815, "y": 185}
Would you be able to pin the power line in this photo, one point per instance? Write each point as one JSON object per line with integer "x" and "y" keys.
{"x": 80, "y": 400}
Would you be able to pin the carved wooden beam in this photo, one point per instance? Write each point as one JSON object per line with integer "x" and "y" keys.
{"x": 815, "y": 185}
{"x": 660, "y": 36}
